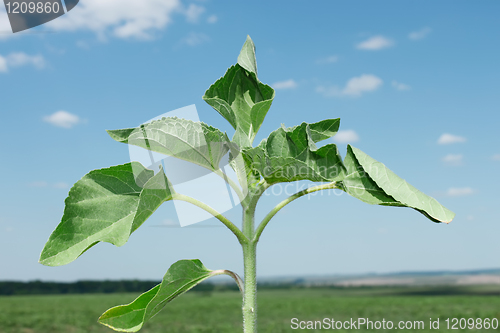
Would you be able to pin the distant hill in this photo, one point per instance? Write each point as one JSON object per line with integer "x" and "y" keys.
{"x": 400, "y": 279}
{"x": 430, "y": 278}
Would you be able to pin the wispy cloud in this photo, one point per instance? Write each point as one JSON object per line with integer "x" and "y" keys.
{"x": 328, "y": 60}
{"x": 19, "y": 59}
{"x": 400, "y": 86}
{"x": 195, "y": 38}
{"x": 5, "y": 29}
{"x": 4, "y": 67}
{"x": 459, "y": 191}
{"x": 375, "y": 43}
{"x": 283, "y": 85}
{"x": 420, "y": 34}
{"x": 495, "y": 157}
{"x": 453, "y": 159}
{"x": 121, "y": 18}
{"x": 355, "y": 87}
{"x": 193, "y": 13}
{"x": 346, "y": 136}
{"x": 212, "y": 19}
{"x": 62, "y": 119}
{"x": 446, "y": 139}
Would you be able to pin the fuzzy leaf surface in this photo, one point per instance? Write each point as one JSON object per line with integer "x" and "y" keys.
{"x": 290, "y": 154}
{"x": 191, "y": 141}
{"x": 247, "y": 58}
{"x": 106, "y": 205}
{"x": 241, "y": 98}
{"x": 372, "y": 182}
{"x": 180, "y": 277}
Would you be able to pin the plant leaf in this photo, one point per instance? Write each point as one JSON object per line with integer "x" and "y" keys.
{"x": 372, "y": 182}
{"x": 191, "y": 141}
{"x": 290, "y": 154}
{"x": 247, "y": 59}
{"x": 106, "y": 205}
{"x": 324, "y": 129}
{"x": 180, "y": 277}
{"x": 241, "y": 98}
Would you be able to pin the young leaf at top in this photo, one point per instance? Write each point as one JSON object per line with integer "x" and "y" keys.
{"x": 241, "y": 98}
{"x": 180, "y": 277}
{"x": 106, "y": 205}
{"x": 191, "y": 141}
{"x": 247, "y": 59}
{"x": 290, "y": 154}
{"x": 372, "y": 182}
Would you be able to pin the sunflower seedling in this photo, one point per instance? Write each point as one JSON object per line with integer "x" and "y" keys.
{"x": 108, "y": 205}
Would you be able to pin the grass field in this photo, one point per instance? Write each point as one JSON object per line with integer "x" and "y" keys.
{"x": 220, "y": 311}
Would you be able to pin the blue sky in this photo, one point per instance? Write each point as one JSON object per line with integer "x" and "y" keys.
{"x": 414, "y": 83}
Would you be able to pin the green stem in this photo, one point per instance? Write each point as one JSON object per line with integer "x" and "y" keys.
{"x": 235, "y": 276}
{"x": 249, "y": 259}
{"x": 285, "y": 202}
{"x": 237, "y": 232}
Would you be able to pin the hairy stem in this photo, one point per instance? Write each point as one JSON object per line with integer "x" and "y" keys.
{"x": 232, "y": 274}
{"x": 237, "y": 232}
{"x": 285, "y": 202}
{"x": 249, "y": 259}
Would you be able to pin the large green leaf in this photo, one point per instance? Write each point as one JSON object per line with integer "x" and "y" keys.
{"x": 290, "y": 154}
{"x": 241, "y": 98}
{"x": 191, "y": 141}
{"x": 372, "y": 182}
{"x": 106, "y": 205}
{"x": 180, "y": 277}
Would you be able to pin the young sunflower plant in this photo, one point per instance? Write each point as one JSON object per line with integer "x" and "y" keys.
{"x": 108, "y": 205}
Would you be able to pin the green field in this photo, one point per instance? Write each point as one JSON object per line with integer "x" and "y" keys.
{"x": 220, "y": 311}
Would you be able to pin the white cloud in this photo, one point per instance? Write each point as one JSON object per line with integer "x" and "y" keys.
{"x": 120, "y": 18}
{"x": 194, "y": 39}
{"x": 282, "y": 85}
{"x": 363, "y": 83}
{"x": 400, "y": 86}
{"x": 354, "y": 87}
{"x": 459, "y": 191}
{"x": 212, "y": 19}
{"x": 3, "y": 65}
{"x": 82, "y": 44}
{"x": 193, "y": 13}
{"x": 60, "y": 185}
{"x": 495, "y": 157}
{"x": 5, "y": 29}
{"x": 446, "y": 139}
{"x": 346, "y": 136}
{"x": 328, "y": 60}
{"x": 375, "y": 43}
{"x": 420, "y": 34}
{"x": 62, "y": 119}
{"x": 19, "y": 59}
{"x": 453, "y": 159}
